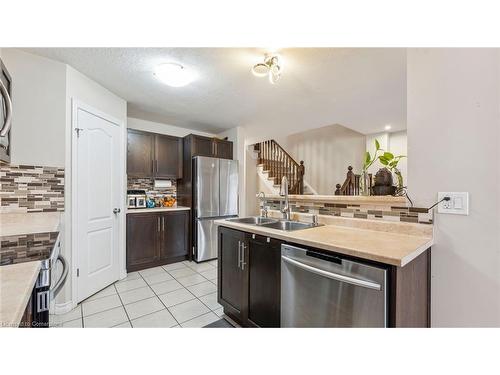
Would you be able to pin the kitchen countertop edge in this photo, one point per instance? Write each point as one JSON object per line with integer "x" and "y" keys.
{"x": 294, "y": 237}
{"x": 157, "y": 209}
{"x": 11, "y": 316}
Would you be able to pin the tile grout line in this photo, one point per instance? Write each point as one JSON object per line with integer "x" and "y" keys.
{"x": 160, "y": 302}
{"x": 126, "y": 313}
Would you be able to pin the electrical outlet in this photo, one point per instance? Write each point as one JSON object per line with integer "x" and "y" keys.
{"x": 457, "y": 205}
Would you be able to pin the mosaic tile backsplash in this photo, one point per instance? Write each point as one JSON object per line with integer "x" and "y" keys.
{"x": 359, "y": 211}
{"x": 27, "y": 247}
{"x": 148, "y": 185}
{"x": 29, "y": 188}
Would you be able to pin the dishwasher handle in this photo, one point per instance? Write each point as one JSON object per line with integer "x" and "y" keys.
{"x": 333, "y": 276}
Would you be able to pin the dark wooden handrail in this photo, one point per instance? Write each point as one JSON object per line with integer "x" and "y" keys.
{"x": 278, "y": 163}
{"x": 351, "y": 184}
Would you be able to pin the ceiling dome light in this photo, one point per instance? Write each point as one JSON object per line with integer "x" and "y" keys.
{"x": 260, "y": 70}
{"x": 271, "y": 67}
{"x": 174, "y": 75}
{"x": 387, "y": 127}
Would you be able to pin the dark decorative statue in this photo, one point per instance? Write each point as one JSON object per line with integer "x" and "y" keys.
{"x": 383, "y": 183}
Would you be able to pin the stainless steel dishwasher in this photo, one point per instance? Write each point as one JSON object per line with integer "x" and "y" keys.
{"x": 322, "y": 290}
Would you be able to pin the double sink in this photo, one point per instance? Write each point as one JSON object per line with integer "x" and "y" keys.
{"x": 285, "y": 225}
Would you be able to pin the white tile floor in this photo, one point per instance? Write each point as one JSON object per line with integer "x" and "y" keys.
{"x": 181, "y": 294}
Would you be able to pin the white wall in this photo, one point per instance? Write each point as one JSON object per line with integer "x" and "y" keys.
{"x": 395, "y": 143}
{"x": 38, "y": 115}
{"x": 156, "y": 127}
{"x": 453, "y": 142}
{"x": 327, "y": 152}
{"x": 80, "y": 87}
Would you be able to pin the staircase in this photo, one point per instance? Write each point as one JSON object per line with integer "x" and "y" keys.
{"x": 276, "y": 163}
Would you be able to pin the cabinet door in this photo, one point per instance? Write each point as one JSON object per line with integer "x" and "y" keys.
{"x": 263, "y": 259}
{"x": 140, "y": 154}
{"x": 223, "y": 149}
{"x": 168, "y": 157}
{"x": 143, "y": 239}
{"x": 231, "y": 276}
{"x": 202, "y": 146}
{"x": 174, "y": 241}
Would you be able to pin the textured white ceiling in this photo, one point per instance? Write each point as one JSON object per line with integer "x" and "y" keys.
{"x": 361, "y": 88}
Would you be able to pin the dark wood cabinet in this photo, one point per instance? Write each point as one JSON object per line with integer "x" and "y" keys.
{"x": 140, "y": 154}
{"x": 28, "y": 316}
{"x": 143, "y": 240}
{"x": 202, "y": 146}
{"x": 199, "y": 145}
{"x": 154, "y": 239}
{"x": 174, "y": 236}
{"x": 263, "y": 260}
{"x": 168, "y": 157}
{"x": 249, "y": 278}
{"x": 231, "y": 273}
{"x": 151, "y": 155}
{"x": 223, "y": 149}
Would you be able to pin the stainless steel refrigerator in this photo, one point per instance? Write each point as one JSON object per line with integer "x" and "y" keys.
{"x": 215, "y": 196}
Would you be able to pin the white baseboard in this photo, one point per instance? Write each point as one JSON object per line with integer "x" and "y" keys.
{"x": 63, "y": 308}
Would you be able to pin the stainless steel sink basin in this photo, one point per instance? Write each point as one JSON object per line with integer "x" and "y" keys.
{"x": 255, "y": 220}
{"x": 287, "y": 225}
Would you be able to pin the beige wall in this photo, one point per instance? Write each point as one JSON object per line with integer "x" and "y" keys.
{"x": 453, "y": 141}
{"x": 38, "y": 112}
{"x": 327, "y": 152}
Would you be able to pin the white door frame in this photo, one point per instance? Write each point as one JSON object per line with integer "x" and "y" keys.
{"x": 75, "y": 105}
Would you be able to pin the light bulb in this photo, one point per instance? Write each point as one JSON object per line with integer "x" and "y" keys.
{"x": 174, "y": 75}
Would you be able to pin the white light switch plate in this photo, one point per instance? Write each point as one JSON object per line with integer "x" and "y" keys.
{"x": 458, "y": 205}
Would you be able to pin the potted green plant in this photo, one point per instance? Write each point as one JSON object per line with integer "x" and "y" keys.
{"x": 364, "y": 182}
{"x": 391, "y": 163}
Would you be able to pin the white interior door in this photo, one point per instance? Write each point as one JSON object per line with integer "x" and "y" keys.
{"x": 98, "y": 194}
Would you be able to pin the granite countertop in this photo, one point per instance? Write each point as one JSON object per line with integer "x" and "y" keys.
{"x": 156, "y": 209}
{"x": 16, "y": 284}
{"x": 15, "y": 224}
{"x": 397, "y": 249}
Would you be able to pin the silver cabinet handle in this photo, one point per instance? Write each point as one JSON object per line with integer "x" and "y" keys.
{"x": 60, "y": 283}
{"x": 4, "y": 129}
{"x": 243, "y": 246}
{"x": 163, "y": 224}
{"x": 158, "y": 223}
{"x": 333, "y": 276}
{"x": 239, "y": 254}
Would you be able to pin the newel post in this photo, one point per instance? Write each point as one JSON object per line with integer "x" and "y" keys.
{"x": 301, "y": 172}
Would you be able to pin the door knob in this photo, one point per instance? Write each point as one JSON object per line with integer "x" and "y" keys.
{"x": 116, "y": 210}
